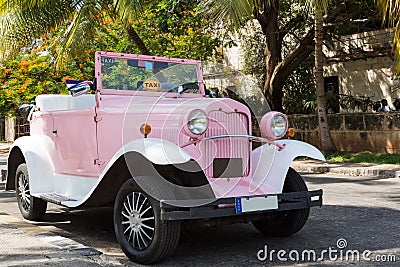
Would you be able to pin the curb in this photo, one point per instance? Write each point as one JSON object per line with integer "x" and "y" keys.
{"x": 376, "y": 170}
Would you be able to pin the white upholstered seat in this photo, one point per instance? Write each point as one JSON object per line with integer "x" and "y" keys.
{"x": 64, "y": 102}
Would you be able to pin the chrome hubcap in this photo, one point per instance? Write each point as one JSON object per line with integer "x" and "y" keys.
{"x": 138, "y": 220}
{"x": 23, "y": 192}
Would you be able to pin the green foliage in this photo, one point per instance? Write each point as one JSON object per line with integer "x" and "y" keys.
{"x": 23, "y": 21}
{"x": 356, "y": 103}
{"x": 33, "y": 71}
{"x": 173, "y": 28}
{"x": 359, "y": 16}
{"x": 364, "y": 157}
{"x": 253, "y": 50}
{"x": 111, "y": 37}
{"x": 391, "y": 14}
{"x": 299, "y": 91}
{"x": 29, "y": 74}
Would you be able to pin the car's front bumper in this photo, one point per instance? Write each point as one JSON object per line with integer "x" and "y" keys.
{"x": 225, "y": 207}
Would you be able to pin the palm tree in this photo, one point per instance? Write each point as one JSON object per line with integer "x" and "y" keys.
{"x": 391, "y": 12}
{"x": 22, "y": 21}
{"x": 325, "y": 135}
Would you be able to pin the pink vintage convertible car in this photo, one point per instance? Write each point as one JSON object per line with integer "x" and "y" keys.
{"x": 152, "y": 142}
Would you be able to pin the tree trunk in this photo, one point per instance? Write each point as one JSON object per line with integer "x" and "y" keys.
{"x": 325, "y": 135}
{"x": 135, "y": 38}
{"x": 268, "y": 20}
{"x": 277, "y": 71}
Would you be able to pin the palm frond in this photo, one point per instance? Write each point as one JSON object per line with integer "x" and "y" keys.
{"x": 231, "y": 14}
{"x": 86, "y": 20}
{"x": 391, "y": 12}
{"x": 127, "y": 10}
{"x": 21, "y": 24}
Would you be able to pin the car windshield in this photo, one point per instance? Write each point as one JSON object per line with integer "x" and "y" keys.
{"x": 148, "y": 75}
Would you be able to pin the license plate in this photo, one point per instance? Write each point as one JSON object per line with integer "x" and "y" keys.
{"x": 249, "y": 204}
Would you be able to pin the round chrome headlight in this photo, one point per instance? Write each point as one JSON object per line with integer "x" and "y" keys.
{"x": 274, "y": 125}
{"x": 279, "y": 126}
{"x": 197, "y": 122}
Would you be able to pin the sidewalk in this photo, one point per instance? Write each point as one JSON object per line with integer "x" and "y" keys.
{"x": 350, "y": 169}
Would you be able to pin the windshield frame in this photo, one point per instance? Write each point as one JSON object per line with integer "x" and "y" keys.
{"x": 98, "y": 75}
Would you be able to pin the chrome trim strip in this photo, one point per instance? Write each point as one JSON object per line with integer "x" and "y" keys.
{"x": 250, "y": 137}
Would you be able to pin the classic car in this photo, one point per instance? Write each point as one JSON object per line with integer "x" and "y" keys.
{"x": 148, "y": 138}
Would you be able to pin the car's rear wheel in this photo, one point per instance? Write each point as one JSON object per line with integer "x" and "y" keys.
{"x": 142, "y": 235}
{"x": 285, "y": 223}
{"x": 31, "y": 208}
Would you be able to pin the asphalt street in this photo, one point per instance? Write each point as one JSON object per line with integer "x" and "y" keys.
{"x": 360, "y": 217}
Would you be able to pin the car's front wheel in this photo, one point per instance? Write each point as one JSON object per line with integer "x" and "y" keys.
{"x": 142, "y": 235}
{"x": 31, "y": 208}
{"x": 285, "y": 223}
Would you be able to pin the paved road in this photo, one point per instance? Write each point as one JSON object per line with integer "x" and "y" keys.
{"x": 362, "y": 212}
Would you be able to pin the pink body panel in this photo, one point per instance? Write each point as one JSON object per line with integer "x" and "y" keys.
{"x": 74, "y": 135}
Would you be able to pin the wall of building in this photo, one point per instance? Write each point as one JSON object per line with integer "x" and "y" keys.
{"x": 353, "y": 132}
{"x": 373, "y": 77}
{"x": 364, "y": 65}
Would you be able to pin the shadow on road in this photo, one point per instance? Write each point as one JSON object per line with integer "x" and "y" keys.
{"x": 364, "y": 228}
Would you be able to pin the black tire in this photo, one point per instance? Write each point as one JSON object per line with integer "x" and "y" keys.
{"x": 286, "y": 223}
{"x": 140, "y": 243}
{"x": 31, "y": 208}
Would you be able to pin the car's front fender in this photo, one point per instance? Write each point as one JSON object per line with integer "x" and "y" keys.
{"x": 155, "y": 150}
{"x": 270, "y": 164}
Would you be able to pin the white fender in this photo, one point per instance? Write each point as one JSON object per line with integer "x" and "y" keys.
{"x": 271, "y": 165}
{"x": 39, "y": 152}
{"x": 157, "y": 151}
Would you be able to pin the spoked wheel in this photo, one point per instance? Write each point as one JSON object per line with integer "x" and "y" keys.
{"x": 138, "y": 220}
{"x": 31, "y": 208}
{"x": 285, "y": 223}
{"x": 142, "y": 235}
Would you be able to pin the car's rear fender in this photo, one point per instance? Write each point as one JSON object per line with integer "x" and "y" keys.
{"x": 270, "y": 164}
{"x": 38, "y": 153}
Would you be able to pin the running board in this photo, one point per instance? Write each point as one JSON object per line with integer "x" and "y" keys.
{"x": 55, "y": 198}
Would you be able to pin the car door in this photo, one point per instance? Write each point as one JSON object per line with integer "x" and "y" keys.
{"x": 74, "y": 135}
